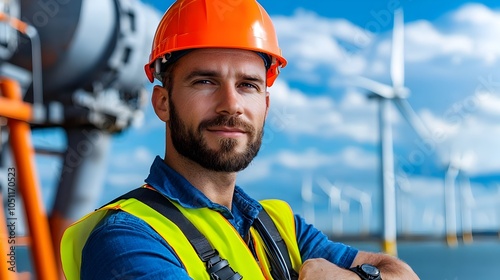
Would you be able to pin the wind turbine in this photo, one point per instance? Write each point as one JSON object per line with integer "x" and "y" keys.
{"x": 406, "y": 196}
{"x": 365, "y": 202}
{"x": 452, "y": 172}
{"x": 335, "y": 201}
{"x": 307, "y": 195}
{"x": 385, "y": 94}
{"x": 469, "y": 203}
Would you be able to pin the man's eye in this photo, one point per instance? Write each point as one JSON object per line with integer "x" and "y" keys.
{"x": 207, "y": 82}
{"x": 248, "y": 85}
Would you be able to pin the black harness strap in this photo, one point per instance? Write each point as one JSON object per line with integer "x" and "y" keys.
{"x": 274, "y": 242}
{"x": 217, "y": 268}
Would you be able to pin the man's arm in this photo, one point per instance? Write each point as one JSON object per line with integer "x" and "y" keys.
{"x": 325, "y": 259}
{"x": 390, "y": 268}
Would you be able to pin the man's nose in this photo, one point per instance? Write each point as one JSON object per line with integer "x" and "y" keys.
{"x": 230, "y": 100}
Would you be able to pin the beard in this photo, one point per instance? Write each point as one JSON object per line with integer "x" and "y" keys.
{"x": 192, "y": 144}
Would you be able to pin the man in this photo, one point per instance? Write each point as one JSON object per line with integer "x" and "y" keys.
{"x": 216, "y": 60}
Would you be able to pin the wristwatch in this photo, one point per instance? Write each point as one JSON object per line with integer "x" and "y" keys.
{"x": 367, "y": 272}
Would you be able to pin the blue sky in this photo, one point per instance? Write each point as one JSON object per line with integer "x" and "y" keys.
{"x": 323, "y": 129}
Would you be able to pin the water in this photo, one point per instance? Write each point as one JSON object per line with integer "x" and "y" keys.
{"x": 430, "y": 260}
{"x": 437, "y": 261}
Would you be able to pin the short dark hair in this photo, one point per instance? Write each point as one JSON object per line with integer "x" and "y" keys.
{"x": 167, "y": 75}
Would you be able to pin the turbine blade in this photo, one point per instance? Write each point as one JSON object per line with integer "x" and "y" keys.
{"x": 412, "y": 117}
{"x": 306, "y": 191}
{"x": 324, "y": 184}
{"x": 378, "y": 88}
{"x": 397, "y": 59}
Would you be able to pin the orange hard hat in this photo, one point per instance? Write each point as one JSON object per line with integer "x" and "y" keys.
{"x": 191, "y": 24}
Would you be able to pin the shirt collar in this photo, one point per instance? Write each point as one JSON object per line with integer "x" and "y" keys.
{"x": 172, "y": 185}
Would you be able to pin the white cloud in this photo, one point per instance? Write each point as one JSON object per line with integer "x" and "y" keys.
{"x": 424, "y": 42}
{"x": 475, "y": 13}
{"x": 351, "y": 157}
{"x": 470, "y": 135}
{"x": 309, "y": 159}
{"x": 488, "y": 103}
{"x": 467, "y": 33}
{"x": 482, "y": 25}
{"x": 311, "y": 41}
{"x": 301, "y": 114}
{"x": 358, "y": 159}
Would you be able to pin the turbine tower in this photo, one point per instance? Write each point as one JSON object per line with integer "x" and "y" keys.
{"x": 451, "y": 175}
{"x": 307, "y": 196}
{"x": 385, "y": 94}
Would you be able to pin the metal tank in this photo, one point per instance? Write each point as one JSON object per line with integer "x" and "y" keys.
{"x": 81, "y": 64}
{"x": 92, "y": 55}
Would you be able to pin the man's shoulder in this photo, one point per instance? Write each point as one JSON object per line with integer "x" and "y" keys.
{"x": 276, "y": 206}
{"x": 123, "y": 223}
{"x": 127, "y": 244}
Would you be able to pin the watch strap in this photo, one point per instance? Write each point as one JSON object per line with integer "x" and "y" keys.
{"x": 363, "y": 275}
{"x": 356, "y": 270}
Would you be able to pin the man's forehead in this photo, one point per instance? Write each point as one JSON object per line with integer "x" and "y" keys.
{"x": 240, "y": 59}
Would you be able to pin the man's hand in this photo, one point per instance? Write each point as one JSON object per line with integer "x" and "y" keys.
{"x": 390, "y": 268}
{"x": 321, "y": 269}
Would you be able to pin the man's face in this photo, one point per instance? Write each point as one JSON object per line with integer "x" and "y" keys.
{"x": 218, "y": 104}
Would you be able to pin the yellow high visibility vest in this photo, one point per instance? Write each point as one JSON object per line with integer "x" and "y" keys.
{"x": 219, "y": 232}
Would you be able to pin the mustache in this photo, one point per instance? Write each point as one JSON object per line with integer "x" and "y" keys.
{"x": 229, "y": 121}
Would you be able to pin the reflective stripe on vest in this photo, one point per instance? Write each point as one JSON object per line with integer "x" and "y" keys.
{"x": 212, "y": 224}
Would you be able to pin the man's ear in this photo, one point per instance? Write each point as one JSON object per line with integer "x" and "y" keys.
{"x": 268, "y": 102}
{"x": 160, "y": 100}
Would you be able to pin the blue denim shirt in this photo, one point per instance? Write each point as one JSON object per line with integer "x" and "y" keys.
{"x": 123, "y": 247}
